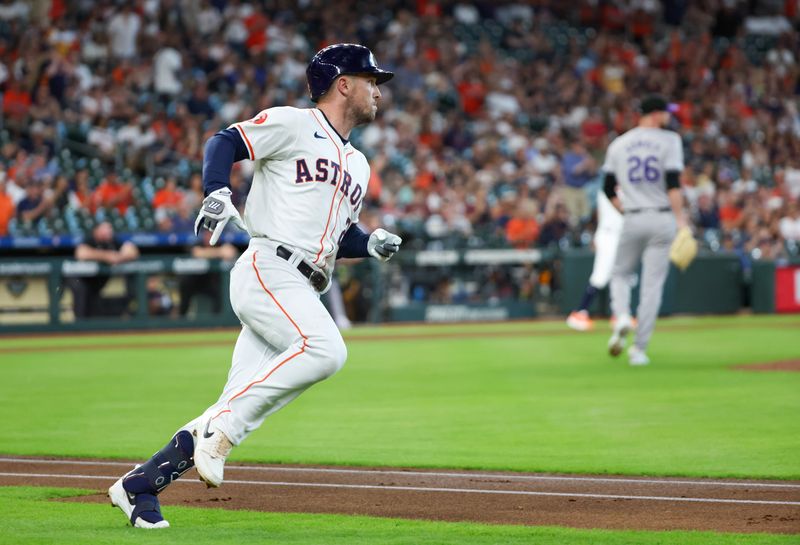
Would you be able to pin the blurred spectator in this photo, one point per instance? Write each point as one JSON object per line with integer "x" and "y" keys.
{"x": 707, "y": 213}
{"x": 183, "y": 219}
{"x": 208, "y": 284}
{"x": 80, "y": 196}
{"x": 136, "y": 138}
{"x": 12, "y": 10}
{"x": 112, "y": 193}
{"x": 104, "y": 248}
{"x": 730, "y": 213}
{"x": 193, "y": 195}
{"x": 792, "y": 177}
{"x": 555, "y": 226}
{"x": 34, "y": 205}
{"x": 166, "y": 64}
{"x": 96, "y": 103}
{"x": 745, "y": 183}
{"x": 102, "y": 138}
{"x": 199, "y": 103}
{"x": 123, "y": 29}
{"x": 522, "y": 230}
{"x": 163, "y": 221}
{"x": 16, "y": 101}
{"x": 543, "y": 161}
{"x": 578, "y": 168}
{"x": 7, "y": 208}
{"x": 168, "y": 197}
{"x": 14, "y": 190}
{"x": 60, "y": 195}
{"x": 790, "y": 222}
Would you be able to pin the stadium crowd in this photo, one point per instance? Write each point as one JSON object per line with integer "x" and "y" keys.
{"x": 492, "y": 132}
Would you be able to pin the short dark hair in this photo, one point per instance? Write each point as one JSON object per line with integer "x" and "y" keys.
{"x": 653, "y": 103}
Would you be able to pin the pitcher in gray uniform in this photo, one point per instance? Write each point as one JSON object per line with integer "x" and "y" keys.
{"x": 642, "y": 178}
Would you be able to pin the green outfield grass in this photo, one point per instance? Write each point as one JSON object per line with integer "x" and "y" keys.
{"x": 546, "y": 400}
{"x": 39, "y": 521}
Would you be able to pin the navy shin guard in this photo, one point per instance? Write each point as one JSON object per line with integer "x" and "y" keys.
{"x": 165, "y": 466}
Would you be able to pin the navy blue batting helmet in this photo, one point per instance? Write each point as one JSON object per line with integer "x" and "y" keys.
{"x": 340, "y": 59}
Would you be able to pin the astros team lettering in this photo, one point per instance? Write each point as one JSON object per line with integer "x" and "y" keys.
{"x": 328, "y": 171}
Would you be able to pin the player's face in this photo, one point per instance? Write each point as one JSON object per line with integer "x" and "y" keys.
{"x": 363, "y": 102}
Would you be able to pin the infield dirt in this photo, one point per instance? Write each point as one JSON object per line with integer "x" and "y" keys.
{"x": 580, "y": 501}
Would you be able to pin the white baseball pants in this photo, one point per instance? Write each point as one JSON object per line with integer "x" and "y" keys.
{"x": 605, "y": 253}
{"x": 288, "y": 341}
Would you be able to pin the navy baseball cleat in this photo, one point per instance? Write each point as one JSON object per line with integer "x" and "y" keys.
{"x": 141, "y": 508}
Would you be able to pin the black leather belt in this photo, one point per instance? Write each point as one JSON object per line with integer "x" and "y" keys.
{"x": 637, "y": 210}
{"x": 317, "y": 279}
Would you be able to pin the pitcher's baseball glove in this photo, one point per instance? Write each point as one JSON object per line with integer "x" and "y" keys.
{"x": 683, "y": 249}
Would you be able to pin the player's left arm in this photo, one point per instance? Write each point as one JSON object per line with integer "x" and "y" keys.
{"x": 673, "y": 168}
{"x": 610, "y": 189}
{"x": 222, "y": 150}
{"x": 380, "y": 244}
{"x": 609, "y": 178}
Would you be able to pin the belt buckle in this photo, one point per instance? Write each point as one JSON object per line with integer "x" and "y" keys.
{"x": 318, "y": 280}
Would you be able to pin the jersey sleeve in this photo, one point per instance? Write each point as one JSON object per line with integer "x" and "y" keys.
{"x": 608, "y": 162}
{"x": 354, "y": 215}
{"x": 674, "y": 157}
{"x": 271, "y": 133}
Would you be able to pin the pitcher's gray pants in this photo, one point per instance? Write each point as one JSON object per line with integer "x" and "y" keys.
{"x": 646, "y": 238}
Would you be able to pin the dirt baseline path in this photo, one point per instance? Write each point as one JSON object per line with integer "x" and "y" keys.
{"x": 579, "y": 501}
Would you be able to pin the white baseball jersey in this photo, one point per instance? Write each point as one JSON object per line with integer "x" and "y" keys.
{"x": 606, "y": 240}
{"x": 308, "y": 184}
{"x": 639, "y": 159}
{"x": 609, "y": 218}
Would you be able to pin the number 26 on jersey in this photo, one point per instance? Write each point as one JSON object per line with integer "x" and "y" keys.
{"x": 646, "y": 169}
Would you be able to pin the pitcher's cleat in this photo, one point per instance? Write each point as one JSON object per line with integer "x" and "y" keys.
{"x": 619, "y": 337}
{"x": 613, "y": 322}
{"x": 637, "y": 356}
{"x": 211, "y": 449}
{"x": 141, "y": 509}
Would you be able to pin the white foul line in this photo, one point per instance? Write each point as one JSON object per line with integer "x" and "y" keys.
{"x": 743, "y": 484}
{"x": 432, "y": 489}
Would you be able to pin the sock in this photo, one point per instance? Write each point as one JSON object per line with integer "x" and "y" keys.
{"x": 588, "y": 297}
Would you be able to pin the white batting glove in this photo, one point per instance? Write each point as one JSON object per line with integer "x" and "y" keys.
{"x": 216, "y": 212}
{"x": 382, "y": 244}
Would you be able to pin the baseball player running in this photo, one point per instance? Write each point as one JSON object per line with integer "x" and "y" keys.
{"x": 646, "y": 162}
{"x": 606, "y": 240}
{"x": 301, "y": 213}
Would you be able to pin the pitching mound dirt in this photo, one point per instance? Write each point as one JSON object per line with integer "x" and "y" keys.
{"x": 786, "y": 365}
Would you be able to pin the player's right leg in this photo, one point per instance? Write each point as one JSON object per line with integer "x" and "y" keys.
{"x": 136, "y": 492}
{"x": 288, "y": 343}
{"x": 629, "y": 251}
{"x": 655, "y": 267}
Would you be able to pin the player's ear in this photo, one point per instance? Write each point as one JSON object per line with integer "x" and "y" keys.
{"x": 344, "y": 85}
